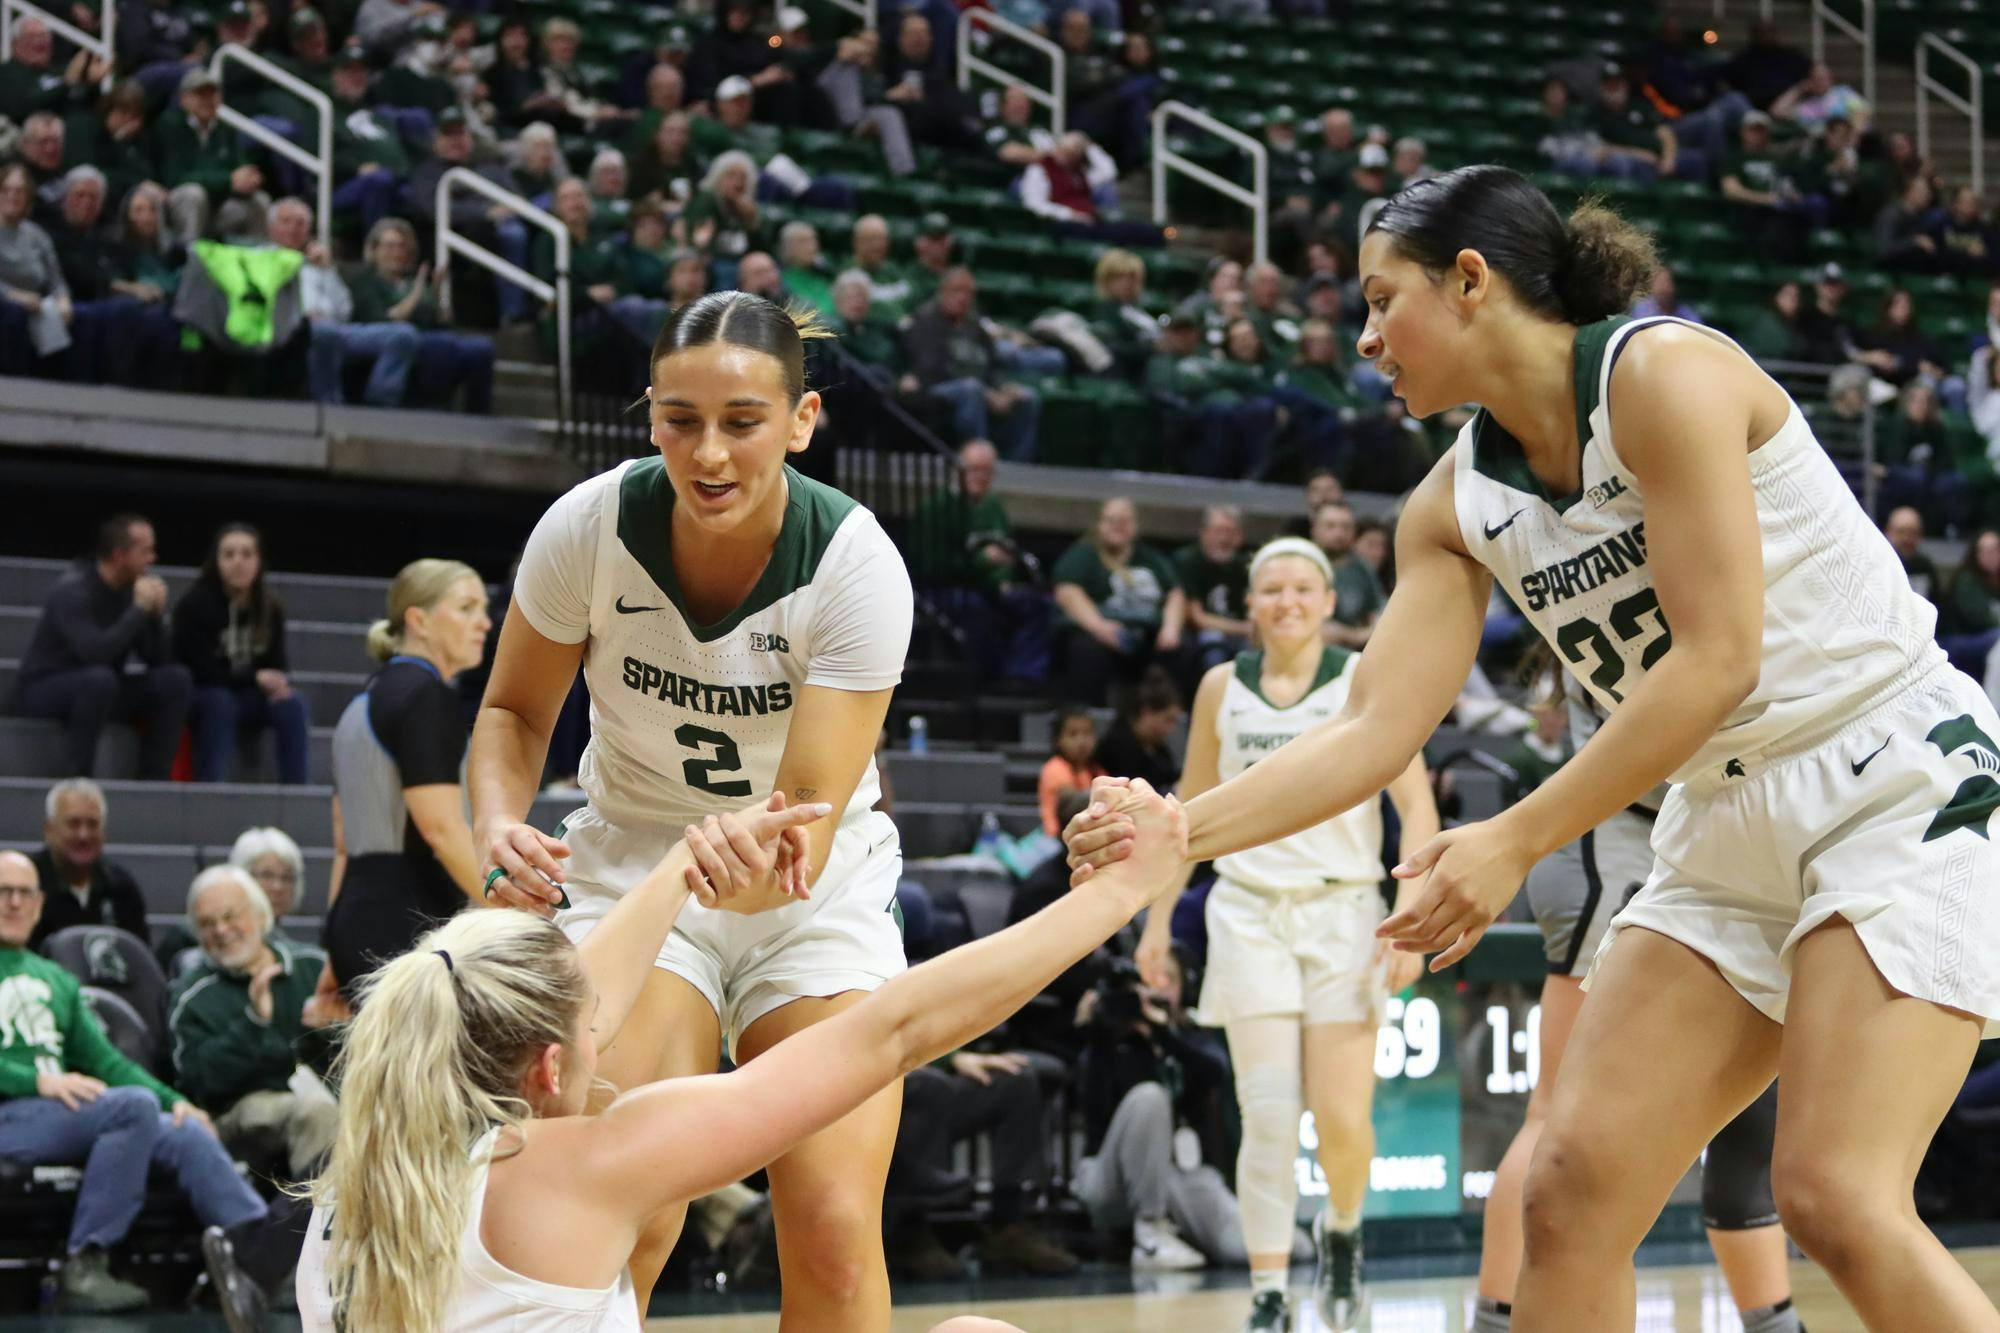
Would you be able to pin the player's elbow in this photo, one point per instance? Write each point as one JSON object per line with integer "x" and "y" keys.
{"x": 1730, "y": 665}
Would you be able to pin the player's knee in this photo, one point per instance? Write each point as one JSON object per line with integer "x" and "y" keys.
{"x": 1829, "y": 1211}
{"x": 841, "y": 1247}
{"x": 1563, "y": 1181}
{"x": 1343, "y": 1129}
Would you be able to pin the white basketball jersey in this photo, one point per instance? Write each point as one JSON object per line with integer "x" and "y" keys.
{"x": 1346, "y": 849}
{"x": 691, "y": 719}
{"x": 1841, "y": 624}
{"x": 488, "y": 1295}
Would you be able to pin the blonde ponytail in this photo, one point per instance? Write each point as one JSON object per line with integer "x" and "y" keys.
{"x": 418, "y": 586}
{"x": 443, "y": 1037}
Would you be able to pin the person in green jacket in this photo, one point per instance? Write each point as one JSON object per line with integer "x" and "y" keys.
{"x": 369, "y": 160}
{"x": 596, "y": 274}
{"x": 206, "y": 167}
{"x": 1969, "y": 610}
{"x": 1244, "y": 417}
{"x": 1774, "y": 334}
{"x": 722, "y": 219}
{"x": 863, "y": 331}
{"x": 68, "y": 1097}
{"x": 395, "y": 287}
{"x": 1122, "y": 605}
{"x": 236, "y": 1019}
{"x": 1315, "y": 392}
{"x": 963, "y": 553}
{"x": 1117, "y": 315}
{"x": 804, "y": 270}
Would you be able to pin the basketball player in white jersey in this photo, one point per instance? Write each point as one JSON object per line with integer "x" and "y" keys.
{"x": 1821, "y": 904}
{"x": 740, "y": 628}
{"x": 1575, "y": 892}
{"x": 1295, "y": 975}
{"x": 468, "y": 1188}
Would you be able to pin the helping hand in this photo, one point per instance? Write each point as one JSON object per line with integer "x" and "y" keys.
{"x": 1098, "y": 837}
{"x": 1473, "y": 871}
{"x": 530, "y": 874}
{"x": 764, "y": 847}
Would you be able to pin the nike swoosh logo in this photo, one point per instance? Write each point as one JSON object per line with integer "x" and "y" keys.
{"x": 1493, "y": 532}
{"x": 624, "y": 610}
{"x": 1869, "y": 758}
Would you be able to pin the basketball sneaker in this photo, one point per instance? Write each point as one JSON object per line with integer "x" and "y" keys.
{"x": 1337, "y": 1278}
{"x": 1268, "y": 1314}
{"x": 244, "y": 1307}
{"x": 1158, "y": 1248}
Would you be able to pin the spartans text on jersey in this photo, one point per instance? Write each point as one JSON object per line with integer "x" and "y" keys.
{"x": 1593, "y": 566}
{"x": 702, "y": 697}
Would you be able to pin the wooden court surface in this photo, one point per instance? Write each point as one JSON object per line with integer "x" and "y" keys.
{"x": 1671, "y": 1300}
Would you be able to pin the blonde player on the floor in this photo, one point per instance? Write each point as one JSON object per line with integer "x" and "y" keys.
{"x": 470, "y": 1189}
{"x": 1295, "y": 975}
{"x": 1574, "y": 893}
{"x": 740, "y": 627}
{"x": 1821, "y": 902}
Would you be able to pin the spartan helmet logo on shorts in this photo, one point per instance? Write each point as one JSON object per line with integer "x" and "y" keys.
{"x": 105, "y": 963}
{"x": 1978, "y": 796}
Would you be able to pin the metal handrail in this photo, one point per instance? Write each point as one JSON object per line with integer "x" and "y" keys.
{"x": 968, "y": 63}
{"x": 1824, "y": 13}
{"x": 449, "y": 243}
{"x": 1973, "y": 106}
{"x": 321, "y": 163}
{"x": 103, "y": 47}
{"x": 1257, "y": 198}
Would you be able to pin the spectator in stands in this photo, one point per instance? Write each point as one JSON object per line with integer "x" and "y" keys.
{"x": 83, "y": 887}
{"x": 155, "y": 43}
{"x": 927, "y": 92}
{"x": 98, "y": 620}
{"x": 44, "y": 145}
{"x": 1338, "y": 147}
{"x": 609, "y": 182}
{"x": 598, "y": 302}
{"x": 1663, "y": 298}
{"x": 999, "y": 1096}
{"x": 1122, "y": 606}
{"x": 1903, "y": 229}
{"x": 1969, "y": 610}
{"x": 1358, "y": 598}
{"x": 1849, "y": 188}
{"x": 1896, "y": 348}
{"x": 1677, "y": 67}
{"x": 1073, "y": 185}
{"x": 1014, "y": 138}
{"x": 1140, "y": 742}
{"x": 1359, "y": 195}
{"x": 666, "y": 95}
{"x": 1292, "y": 181}
{"x": 1072, "y": 766}
{"x": 385, "y": 27}
{"x": 1564, "y": 136}
{"x": 722, "y": 218}
{"x": 1983, "y": 397}
{"x": 69, "y": 1098}
{"x": 855, "y": 89}
{"x": 1775, "y": 334}
{"x": 1316, "y": 392}
{"x": 1375, "y": 547}
{"x": 1117, "y": 318}
{"x": 758, "y": 274}
{"x": 1636, "y": 145}
{"x": 1773, "y": 212}
{"x": 1966, "y": 241}
{"x": 204, "y": 165}
{"x": 665, "y": 168}
{"x": 889, "y": 285}
{"x": 1843, "y": 424}
{"x": 116, "y": 341}
{"x": 1408, "y": 161}
{"x": 1817, "y": 98}
{"x": 472, "y": 215}
{"x": 1220, "y": 300}
{"x": 1208, "y": 421}
{"x": 806, "y": 274}
{"x": 963, "y": 554}
{"x": 338, "y": 338}
{"x": 403, "y": 853}
{"x": 1905, "y": 530}
{"x": 369, "y": 160}
{"x": 954, "y": 361}
{"x": 687, "y": 278}
{"x": 646, "y": 253}
{"x": 268, "y": 856}
{"x": 933, "y": 244}
{"x": 123, "y": 147}
{"x": 564, "y": 96}
{"x": 1214, "y": 575}
{"x": 1145, "y": 1071}
{"x": 1829, "y": 338}
{"x": 236, "y": 1020}
{"x": 395, "y": 289}
{"x": 1917, "y": 451}
{"x": 148, "y": 267}
{"x": 35, "y": 308}
{"x": 229, "y": 630}
{"x": 1107, "y": 100}
{"x": 1767, "y": 66}
{"x": 863, "y": 333}
{"x": 515, "y": 80}
{"x": 734, "y": 48}
{"x": 1275, "y": 319}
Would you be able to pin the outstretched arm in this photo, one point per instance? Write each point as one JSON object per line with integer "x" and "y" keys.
{"x": 510, "y": 741}
{"x": 660, "y": 1144}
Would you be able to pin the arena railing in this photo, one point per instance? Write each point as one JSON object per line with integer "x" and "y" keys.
{"x": 320, "y": 164}
{"x": 1972, "y": 105}
{"x": 969, "y": 64}
{"x": 101, "y": 44}
{"x": 1824, "y": 15}
{"x": 1257, "y": 198}
{"x": 450, "y": 242}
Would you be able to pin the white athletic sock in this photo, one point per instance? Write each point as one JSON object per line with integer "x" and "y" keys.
{"x": 1491, "y": 1316}
{"x": 1339, "y": 1219}
{"x": 1266, "y": 1279}
{"x": 1779, "y": 1318}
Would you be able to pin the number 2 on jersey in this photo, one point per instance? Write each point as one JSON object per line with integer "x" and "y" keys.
{"x": 700, "y": 773}
{"x": 1626, "y": 620}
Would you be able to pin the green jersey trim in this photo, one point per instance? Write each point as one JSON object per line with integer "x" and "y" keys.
{"x": 1496, "y": 454}
{"x": 1250, "y": 671}
{"x": 813, "y": 514}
